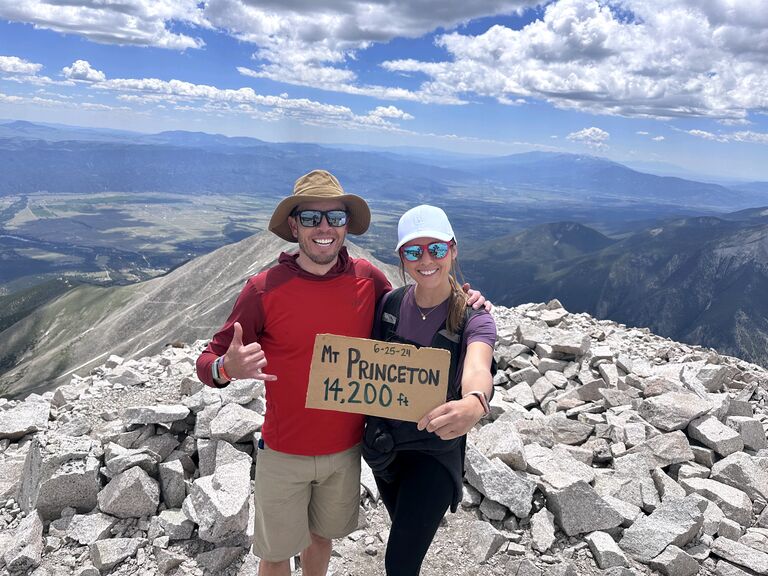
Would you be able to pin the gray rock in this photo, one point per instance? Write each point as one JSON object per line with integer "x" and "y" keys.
{"x": 119, "y": 459}
{"x": 606, "y": 552}
{"x": 501, "y": 440}
{"x": 493, "y": 510}
{"x": 499, "y": 483}
{"x": 742, "y": 555}
{"x": 750, "y": 430}
{"x": 714, "y": 434}
{"x": 175, "y": 524}
{"x": 521, "y": 394}
{"x": 633, "y": 486}
{"x": 67, "y": 394}
{"x": 484, "y": 540}
{"x": 674, "y": 522}
{"x": 578, "y": 509}
{"x": 132, "y": 494}
{"x": 219, "y": 503}
{"x": 568, "y": 431}
{"x": 167, "y": 560}
{"x": 674, "y": 562}
{"x": 665, "y": 486}
{"x": 62, "y": 473}
{"x": 173, "y": 486}
{"x": 742, "y": 471}
{"x": 216, "y": 560}
{"x": 25, "y": 549}
{"x": 524, "y": 567}
{"x": 11, "y": 473}
{"x": 89, "y": 528}
{"x": 729, "y": 529}
{"x": 557, "y": 466}
{"x": 161, "y": 444}
{"x": 204, "y": 419}
{"x": 535, "y": 431}
{"x": 234, "y": 423}
{"x": 713, "y": 376}
{"x": 664, "y": 449}
{"x": 542, "y": 530}
{"x": 734, "y": 503}
{"x": 157, "y": 414}
{"x": 756, "y": 538}
{"x": 25, "y": 418}
{"x": 569, "y": 342}
{"x": 673, "y": 410}
{"x": 106, "y": 554}
{"x": 125, "y": 376}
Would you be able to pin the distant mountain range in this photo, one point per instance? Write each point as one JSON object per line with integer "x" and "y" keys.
{"x": 90, "y": 160}
{"x": 701, "y": 280}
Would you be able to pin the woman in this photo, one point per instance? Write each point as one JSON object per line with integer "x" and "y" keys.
{"x": 419, "y": 466}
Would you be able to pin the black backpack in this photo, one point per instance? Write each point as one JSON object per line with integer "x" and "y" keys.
{"x": 385, "y": 329}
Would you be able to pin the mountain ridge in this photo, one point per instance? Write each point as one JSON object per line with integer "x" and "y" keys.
{"x": 81, "y": 328}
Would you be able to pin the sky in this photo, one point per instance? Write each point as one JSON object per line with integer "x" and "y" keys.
{"x": 647, "y": 82}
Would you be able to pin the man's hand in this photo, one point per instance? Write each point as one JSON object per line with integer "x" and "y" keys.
{"x": 453, "y": 419}
{"x": 476, "y": 299}
{"x": 245, "y": 361}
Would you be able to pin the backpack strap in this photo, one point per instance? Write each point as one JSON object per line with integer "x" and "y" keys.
{"x": 386, "y": 327}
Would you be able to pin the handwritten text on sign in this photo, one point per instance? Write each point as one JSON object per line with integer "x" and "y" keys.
{"x": 376, "y": 378}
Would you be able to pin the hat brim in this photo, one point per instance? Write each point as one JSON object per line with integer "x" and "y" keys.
{"x": 442, "y": 236}
{"x": 359, "y": 214}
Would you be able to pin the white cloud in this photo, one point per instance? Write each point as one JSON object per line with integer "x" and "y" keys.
{"x": 82, "y": 70}
{"x": 706, "y": 135}
{"x": 642, "y": 133}
{"x": 138, "y": 22}
{"x": 10, "y": 99}
{"x": 652, "y": 59}
{"x": 15, "y": 65}
{"x": 658, "y": 138}
{"x": 641, "y": 58}
{"x": 186, "y": 96}
{"x": 749, "y": 136}
{"x": 592, "y": 137}
{"x": 391, "y": 112}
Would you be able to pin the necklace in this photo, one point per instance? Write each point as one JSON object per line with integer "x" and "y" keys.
{"x": 425, "y": 314}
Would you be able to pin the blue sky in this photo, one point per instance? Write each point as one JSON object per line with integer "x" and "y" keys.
{"x": 683, "y": 82}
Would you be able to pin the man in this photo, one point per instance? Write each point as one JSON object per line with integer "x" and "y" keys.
{"x": 308, "y": 463}
{"x": 308, "y": 470}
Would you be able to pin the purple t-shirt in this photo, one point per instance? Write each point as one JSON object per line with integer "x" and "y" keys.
{"x": 480, "y": 327}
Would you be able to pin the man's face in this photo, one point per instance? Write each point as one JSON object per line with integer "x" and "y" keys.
{"x": 322, "y": 243}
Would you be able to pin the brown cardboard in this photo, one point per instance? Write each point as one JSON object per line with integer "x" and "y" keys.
{"x": 377, "y": 378}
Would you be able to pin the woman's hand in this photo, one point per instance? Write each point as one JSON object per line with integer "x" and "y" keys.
{"x": 453, "y": 419}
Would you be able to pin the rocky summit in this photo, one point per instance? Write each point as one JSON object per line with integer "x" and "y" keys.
{"x": 609, "y": 451}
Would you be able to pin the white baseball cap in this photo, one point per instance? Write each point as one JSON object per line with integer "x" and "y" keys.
{"x": 423, "y": 222}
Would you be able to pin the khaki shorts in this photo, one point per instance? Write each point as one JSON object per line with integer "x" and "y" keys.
{"x": 296, "y": 495}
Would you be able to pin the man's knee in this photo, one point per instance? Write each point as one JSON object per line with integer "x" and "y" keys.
{"x": 268, "y": 568}
{"x": 318, "y": 540}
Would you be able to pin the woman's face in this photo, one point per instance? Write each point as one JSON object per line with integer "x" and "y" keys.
{"x": 429, "y": 270}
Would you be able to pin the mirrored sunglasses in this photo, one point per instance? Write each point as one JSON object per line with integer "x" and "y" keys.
{"x": 312, "y": 218}
{"x": 414, "y": 252}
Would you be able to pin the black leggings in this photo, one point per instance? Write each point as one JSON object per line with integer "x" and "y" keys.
{"x": 416, "y": 500}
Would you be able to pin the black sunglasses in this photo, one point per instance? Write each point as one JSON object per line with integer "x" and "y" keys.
{"x": 312, "y": 218}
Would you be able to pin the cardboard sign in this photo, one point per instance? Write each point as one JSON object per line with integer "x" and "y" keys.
{"x": 377, "y": 378}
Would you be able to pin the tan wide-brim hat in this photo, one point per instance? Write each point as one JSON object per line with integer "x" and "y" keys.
{"x": 316, "y": 186}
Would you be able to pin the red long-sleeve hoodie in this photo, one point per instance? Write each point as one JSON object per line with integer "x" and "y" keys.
{"x": 283, "y": 308}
